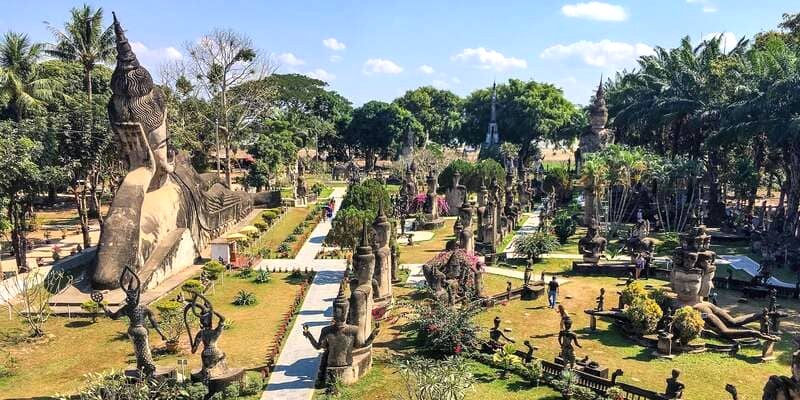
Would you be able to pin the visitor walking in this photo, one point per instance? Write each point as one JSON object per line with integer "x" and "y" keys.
{"x": 552, "y": 292}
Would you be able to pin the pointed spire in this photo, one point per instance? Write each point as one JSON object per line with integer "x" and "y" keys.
{"x": 365, "y": 235}
{"x": 126, "y": 59}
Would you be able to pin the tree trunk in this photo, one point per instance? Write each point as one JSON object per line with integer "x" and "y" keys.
{"x": 793, "y": 193}
{"x": 369, "y": 160}
{"x": 80, "y": 206}
{"x": 52, "y": 195}
{"x": 94, "y": 199}
{"x": 228, "y": 180}
{"x": 16, "y": 216}
{"x": 758, "y": 160}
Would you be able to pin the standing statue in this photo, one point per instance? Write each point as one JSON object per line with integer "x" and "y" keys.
{"x": 138, "y": 315}
{"x": 361, "y": 299}
{"x": 566, "y": 338}
{"x": 526, "y": 280}
{"x": 675, "y": 387}
{"x": 783, "y": 387}
{"x": 592, "y": 245}
{"x": 213, "y": 359}
{"x": 496, "y": 334}
{"x": 383, "y": 257}
{"x": 301, "y": 190}
{"x": 338, "y": 341}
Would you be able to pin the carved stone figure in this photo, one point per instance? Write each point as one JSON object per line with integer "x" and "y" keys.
{"x": 601, "y": 300}
{"x": 453, "y": 274}
{"x": 597, "y": 136}
{"x": 301, "y": 191}
{"x": 338, "y": 341}
{"x": 214, "y": 364}
{"x": 675, "y": 387}
{"x": 163, "y": 211}
{"x": 456, "y": 195}
{"x": 566, "y": 339}
{"x": 693, "y": 266}
{"x": 383, "y": 261}
{"x": 431, "y": 208}
{"x": 496, "y": 335}
{"x": 592, "y": 245}
{"x": 465, "y": 237}
{"x": 785, "y": 387}
{"x": 483, "y": 195}
{"x": 361, "y": 299}
{"x": 138, "y": 315}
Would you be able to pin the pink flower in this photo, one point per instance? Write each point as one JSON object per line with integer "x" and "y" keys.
{"x": 457, "y": 350}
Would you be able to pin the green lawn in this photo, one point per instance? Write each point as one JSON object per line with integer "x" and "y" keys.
{"x": 276, "y": 234}
{"x": 423, "y": 251}
{"x": 75, "y": 347}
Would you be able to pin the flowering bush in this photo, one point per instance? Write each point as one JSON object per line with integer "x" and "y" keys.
{"x": 633, "y": 291}
{"x": 444, "y": 330}
{"x": 419, "y": 203}
{"x": 644, "y": 314}
{"x": 688, "y": 324}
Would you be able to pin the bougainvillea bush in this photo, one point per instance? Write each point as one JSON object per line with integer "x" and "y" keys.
{"x": 443, "y": 330}
{"x": 419, "y": 203}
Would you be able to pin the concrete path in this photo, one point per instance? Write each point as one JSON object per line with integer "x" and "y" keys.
{"x": 748, "y": 265}
{"x": 530, "y": 226}
{"x": 415, "y": 276}
{"x": 513, "y": 273}
{"x": 296, "y": 368}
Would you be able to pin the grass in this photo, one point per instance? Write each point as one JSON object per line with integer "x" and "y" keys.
{"x": 75, "y": 347}
{"x": 533, "y": 321}
{"x": 423, "y": 251}
{"x": 283, "y": 228}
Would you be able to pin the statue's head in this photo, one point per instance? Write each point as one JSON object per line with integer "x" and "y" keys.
{"x": 705, "y": 262}
{"x": 340, "y": 307}
{"x": 496, "y": 322}
{"x": 567, "y": 323}
{"x": 136, "y": 99}
{"x": 686, "y": 284}
{"x": 133, "y": 287}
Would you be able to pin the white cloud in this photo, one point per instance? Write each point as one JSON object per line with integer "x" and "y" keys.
{"x": 489, "y": 59}
{"x": 381, "y": 66}
{"x": 728, "y": 39}
{"x": 604, "y": 53}
{"x": 290, "y": 59}
{"x": 426, "y": 69}
{"x": 154, "y": 57}
{"x": 440, "y": 84}
{"x": 706, "y": 5}
{"x": 335, "y": 58}
{"x": 333, "y": 44}
{"x": 595, "y": 10}
{"x": 455, "y": 80}
{"x": 321, "y": 74}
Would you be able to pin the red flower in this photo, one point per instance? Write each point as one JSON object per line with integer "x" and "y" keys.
{"x": 457, "y": 350}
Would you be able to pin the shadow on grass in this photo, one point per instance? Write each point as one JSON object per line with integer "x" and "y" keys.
{"x": 78, "y": 324}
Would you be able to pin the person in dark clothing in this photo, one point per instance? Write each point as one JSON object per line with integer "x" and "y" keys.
{"x": 552, "y": 292}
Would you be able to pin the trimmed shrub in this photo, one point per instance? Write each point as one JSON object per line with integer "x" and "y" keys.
{"x": 535, "y": 244}
{"x": 291, "y": 238}
{"x": 246, "y": 272}
{"x": 193, "y": 286}
{"x": 688, "y": 323}
{"x": 262, "y": 226}
{"x": 283, "y": 247}
{"x": 661, "y": 298}
{"x": 298, "y": 230}
{"x": 213, "y": 269}
{"x": 92, "y": 307}
{"x": 644, "y": 314}
{"x": 564, "y": 226}
{"x": 245, "y": 298}
{"x": 252, "y": 384}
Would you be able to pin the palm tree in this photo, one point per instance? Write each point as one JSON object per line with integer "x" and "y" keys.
{"x": 21, "y": 87}
{"x": 85, "y": 41}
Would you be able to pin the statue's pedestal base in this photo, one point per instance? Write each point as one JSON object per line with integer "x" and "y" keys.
{"x": 362, "y": 363}
{"x": 162, "y": 373}
{"x": 664, "y": 347}
{"x": 430, "y": 223}
{"x": 531, "y": 292}
{"x": 592, "y": 322}
{"x": 591, "y": 259}
{"x": 219, "y": 381}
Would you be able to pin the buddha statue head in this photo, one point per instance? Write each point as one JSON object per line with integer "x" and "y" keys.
{"x": 340, "y": 307}
{"x": 705, "y": 262}
{"x": 686, "y": 283}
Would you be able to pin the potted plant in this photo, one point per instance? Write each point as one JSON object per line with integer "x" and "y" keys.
{"x": 171, "y": 323}
{"x": 506, "y": 359}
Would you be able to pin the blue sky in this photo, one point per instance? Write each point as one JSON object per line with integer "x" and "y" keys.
{"x": 379, "y": 49}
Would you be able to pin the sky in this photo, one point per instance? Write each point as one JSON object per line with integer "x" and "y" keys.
{"x": 376, "y": 50}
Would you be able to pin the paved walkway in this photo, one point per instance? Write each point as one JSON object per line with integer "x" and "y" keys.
{"x": 415, "y": 276}
{"x": 297, "y": 365}
{"x": 530, "y": 226}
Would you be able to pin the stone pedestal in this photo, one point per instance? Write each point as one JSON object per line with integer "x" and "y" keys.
{"x": 219, "y": 381}
{"x": 592, "y": 322}
{"x": 665, "y": 345}
{"x": 162, "y": 373}
{"x": 768, "y": 351}
{"x": 591, "y": 259}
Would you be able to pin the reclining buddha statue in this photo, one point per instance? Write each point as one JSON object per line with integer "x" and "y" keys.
{"x": 164, "y": 212}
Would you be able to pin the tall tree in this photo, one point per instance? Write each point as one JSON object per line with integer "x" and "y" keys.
{"x": 438, "y": 110}
{"x": 22, "y": 88}
{"x": 221, "y": 60}
{"x": 527, "y": 112}
{"x": 377, "y": 128}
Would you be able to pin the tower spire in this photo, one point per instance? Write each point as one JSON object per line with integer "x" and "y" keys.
{"x": 492, "y": 136}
